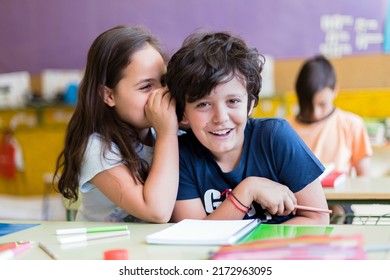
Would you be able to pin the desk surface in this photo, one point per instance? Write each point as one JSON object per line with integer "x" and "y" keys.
{"x": 93, "y": 250}
{"x": 363, "y": 190}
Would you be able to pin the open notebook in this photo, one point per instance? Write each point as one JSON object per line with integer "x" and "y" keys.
{"x": 203, "y": 232}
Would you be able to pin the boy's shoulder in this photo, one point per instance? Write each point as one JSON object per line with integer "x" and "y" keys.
{"x": 267, "y": 127}
{"x": 266, "y": 122}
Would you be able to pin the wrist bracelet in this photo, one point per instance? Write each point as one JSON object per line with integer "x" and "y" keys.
{"x": 227, "y": 192}
{"x": 242, "y": 204}
{"x": 236, "y": 206}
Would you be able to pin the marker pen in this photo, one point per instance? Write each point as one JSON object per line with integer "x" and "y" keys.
{"x": 10, "y": 253}
{"x": 90, "y": 230}
{"x": 92, "y": 236}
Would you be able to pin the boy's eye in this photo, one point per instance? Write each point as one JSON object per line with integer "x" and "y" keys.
{"x": 201, "y": 105}
{"x": 234, "y": 101}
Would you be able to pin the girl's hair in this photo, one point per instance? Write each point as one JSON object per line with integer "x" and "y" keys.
{"x": 316, "y": 74}
{"x": 110, "y": 53}
{"x": 208, "y": 59}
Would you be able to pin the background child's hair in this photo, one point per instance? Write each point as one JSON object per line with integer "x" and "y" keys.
{"x": 316, "y": 74}
{"x": 207, "y": 59}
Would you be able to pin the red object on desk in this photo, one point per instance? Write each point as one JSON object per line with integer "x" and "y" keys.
{"x": 333, "y": 179}
{"x": 7, "y": 156}
{"x": 118, "y": 254}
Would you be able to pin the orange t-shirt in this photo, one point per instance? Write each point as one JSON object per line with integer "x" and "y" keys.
{"x": 341, "y": 138}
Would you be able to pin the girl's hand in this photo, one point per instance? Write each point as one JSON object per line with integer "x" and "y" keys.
{"x": 161, "y": 112}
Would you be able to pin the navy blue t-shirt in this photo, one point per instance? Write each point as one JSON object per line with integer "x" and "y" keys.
{"x": 272, "y": 149}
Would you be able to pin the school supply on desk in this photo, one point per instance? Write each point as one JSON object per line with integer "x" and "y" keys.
{"x": 306, "y": 247}
{"x": 91, "y": 236}
{"x": 48, "y": 251}
{"x": 334, "y": 179}
{"x": 275, "y": 231}
{"x": 10, "y": 245}
{"x": 6, "y": 228}
{"x": 116, "y": 254}
{"x": 11, "y": 253}
{"x": 90, "y": 230}
{"x": 203, "y": 232}
{"x": 329, "y": 168}
{"x": 7, "y": 246}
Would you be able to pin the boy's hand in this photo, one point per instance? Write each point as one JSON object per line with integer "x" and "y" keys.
{"x": 275, "y": 197}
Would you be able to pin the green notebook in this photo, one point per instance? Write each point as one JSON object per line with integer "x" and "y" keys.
{"x": 270, "y": 231}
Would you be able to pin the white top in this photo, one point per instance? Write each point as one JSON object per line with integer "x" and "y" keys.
{"x": 95, "y": 206}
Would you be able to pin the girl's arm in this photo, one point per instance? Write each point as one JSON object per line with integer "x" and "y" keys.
{"x": 153, "y": 201}
{"x": 363, "y": 167}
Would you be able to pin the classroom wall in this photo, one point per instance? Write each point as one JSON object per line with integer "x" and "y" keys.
{"x": 363, "y": 80}
{"x": 353, "y": 72}
{"x": 44, "y": 34}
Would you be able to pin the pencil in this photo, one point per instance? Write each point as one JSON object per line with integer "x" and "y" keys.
{"x": 48, "y": 251}
{"x": 314, "y": 209}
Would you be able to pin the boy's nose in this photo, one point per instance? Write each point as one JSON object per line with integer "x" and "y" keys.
{"x": 220, "y": 115}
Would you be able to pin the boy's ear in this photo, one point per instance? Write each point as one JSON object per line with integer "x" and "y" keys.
{"x": 108, "y": 96}
{"x": 251, "y": 107}
{"x": 184, "y": 121}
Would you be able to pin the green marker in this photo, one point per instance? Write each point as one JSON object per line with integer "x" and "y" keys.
{"x": 90, "y": 230}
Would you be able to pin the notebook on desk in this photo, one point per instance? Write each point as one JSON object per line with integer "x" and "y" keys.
{"x": 203, "y": 232}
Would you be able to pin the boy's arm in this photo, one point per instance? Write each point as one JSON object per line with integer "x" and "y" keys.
{"x": 193, "y": 209}
{"x": 277, "y": 198}
{"x": 312, "y": 195}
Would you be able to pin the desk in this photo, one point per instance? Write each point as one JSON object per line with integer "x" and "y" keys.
{"x": 360, "y": 190}
{"x": 139, "y": 250}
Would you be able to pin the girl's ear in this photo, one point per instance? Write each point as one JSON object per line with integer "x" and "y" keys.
{"x": 108, "y": 96}
{"x": 336, "y": 91}
{"x": 251, "y": 107}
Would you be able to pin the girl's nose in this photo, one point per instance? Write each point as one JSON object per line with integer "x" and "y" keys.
{"x": 317, "y": 113}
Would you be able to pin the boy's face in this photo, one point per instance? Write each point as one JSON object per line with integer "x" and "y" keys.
{"x": 218, "y": 120}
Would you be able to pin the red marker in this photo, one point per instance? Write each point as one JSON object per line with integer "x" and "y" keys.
{"x": 11, "y": 245}
{"x": 10, "y": 253}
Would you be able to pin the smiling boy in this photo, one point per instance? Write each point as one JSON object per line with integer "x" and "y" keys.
{"x": 233, "y": 166}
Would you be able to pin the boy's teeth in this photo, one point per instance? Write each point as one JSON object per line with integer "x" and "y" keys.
{"x": 221, "y": 132}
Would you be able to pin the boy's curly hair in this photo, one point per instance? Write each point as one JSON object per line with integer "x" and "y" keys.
{"x": 207, "y": 59}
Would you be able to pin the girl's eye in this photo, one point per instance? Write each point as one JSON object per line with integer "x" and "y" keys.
{"x": 146, "y": 87}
